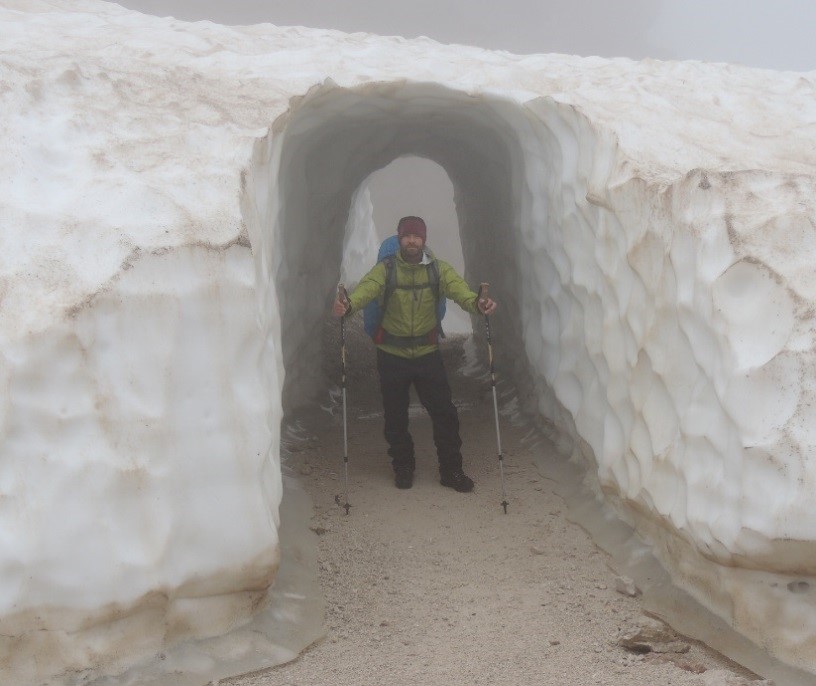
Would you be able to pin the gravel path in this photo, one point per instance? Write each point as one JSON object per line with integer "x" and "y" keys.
{"x": 429, "y": 586}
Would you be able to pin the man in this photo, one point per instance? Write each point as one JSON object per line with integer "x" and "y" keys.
{"x": 408, "y": 353}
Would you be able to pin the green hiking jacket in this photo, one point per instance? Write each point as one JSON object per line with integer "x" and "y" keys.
{"x": 412, "y": 312}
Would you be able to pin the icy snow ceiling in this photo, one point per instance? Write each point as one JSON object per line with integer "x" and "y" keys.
{"x": 174, "y": 198}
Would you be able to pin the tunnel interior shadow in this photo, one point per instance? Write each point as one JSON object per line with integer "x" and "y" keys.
{"x": 332, "y": 142}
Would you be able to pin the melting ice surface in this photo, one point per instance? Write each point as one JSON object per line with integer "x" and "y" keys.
{"x": 174, "y": 199}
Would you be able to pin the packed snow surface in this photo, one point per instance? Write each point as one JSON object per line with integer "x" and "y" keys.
{"x": 174, "y": 207}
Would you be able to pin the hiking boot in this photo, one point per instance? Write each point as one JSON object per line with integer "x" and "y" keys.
{"x": 457, "y": 480}
{"x": 403, "y": 477}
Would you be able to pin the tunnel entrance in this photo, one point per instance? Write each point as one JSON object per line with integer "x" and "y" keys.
{"x": 334, "y": 139}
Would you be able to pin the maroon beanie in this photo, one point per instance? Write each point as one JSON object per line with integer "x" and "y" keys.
{"x": 412, "y": 225}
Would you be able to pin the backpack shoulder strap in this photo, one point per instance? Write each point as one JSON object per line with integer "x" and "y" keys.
{"x": 390, "y": 278}
{"x": 390, "y": 285}
{"x": 433, "y": 278}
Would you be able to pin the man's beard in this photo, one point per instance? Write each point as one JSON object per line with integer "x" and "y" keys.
{"x": 411, "y": 254}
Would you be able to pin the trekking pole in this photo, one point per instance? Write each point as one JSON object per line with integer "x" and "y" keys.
{"x": 483, "y": 294}
{"x": 343, "y": 295}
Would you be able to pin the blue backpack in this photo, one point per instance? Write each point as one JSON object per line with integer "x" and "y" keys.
{"x": 374, "y": 312}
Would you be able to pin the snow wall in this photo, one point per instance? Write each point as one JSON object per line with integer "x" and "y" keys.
{"x": 173, "y": 221}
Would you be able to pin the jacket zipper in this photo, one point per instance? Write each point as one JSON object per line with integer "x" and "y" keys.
{"x": 413, "y": 306}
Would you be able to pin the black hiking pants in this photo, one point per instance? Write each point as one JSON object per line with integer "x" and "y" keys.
{"x": 427, "y": 374}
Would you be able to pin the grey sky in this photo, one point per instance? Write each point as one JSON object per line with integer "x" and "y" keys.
{"x": 776, "y": 34}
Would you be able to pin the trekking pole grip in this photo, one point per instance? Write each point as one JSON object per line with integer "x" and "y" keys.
{"x": 483, "y": 292}
{"x": 342, "y": 295}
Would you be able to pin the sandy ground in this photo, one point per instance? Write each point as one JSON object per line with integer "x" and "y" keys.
{"x": 429, "y": 586}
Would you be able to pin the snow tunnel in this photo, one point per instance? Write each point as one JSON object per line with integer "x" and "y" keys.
{"x": 620, "y": 291}
{"x": 651, "y": 248}
{"x": 612, "y": 323}
{"x": 328, "y": 144}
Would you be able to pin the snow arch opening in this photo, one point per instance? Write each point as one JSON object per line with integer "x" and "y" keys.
{"x": 331, "y": 142}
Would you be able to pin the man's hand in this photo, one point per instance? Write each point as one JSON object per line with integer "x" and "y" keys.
{"x": 487, "y": 305}
{"x": 340, "y": 307}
